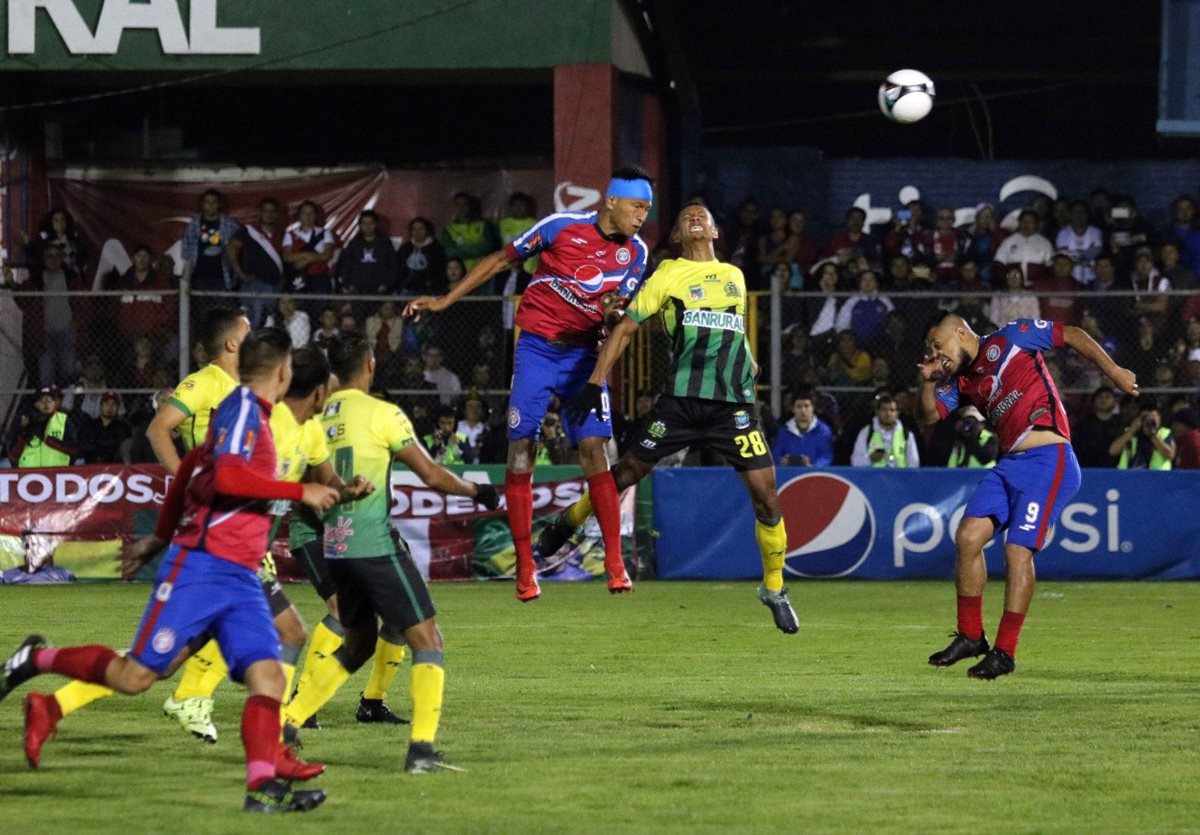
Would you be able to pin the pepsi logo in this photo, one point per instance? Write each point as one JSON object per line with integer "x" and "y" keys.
{"x": 993, "y": 353}
{"x": 590, "y": 278}
{"x": 830, "y": 525}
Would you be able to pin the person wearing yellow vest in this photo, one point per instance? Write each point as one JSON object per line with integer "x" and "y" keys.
{"x": 885, "y": 442}
{"x": 46, "y": 436}
{"x": 1145, "y": 444}
{"x": 974, "y": 444}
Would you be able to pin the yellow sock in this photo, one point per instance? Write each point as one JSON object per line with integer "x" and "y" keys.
{"x": 428, "y": 682}
{"x": 579, "y": 512}
{"x": 388, "y": 658}
{"x": 201, "y": 674}
{"x": 288, "y": 655}
{"x": 772, "y": 544}
{"x": 77, "y": 694}
{"x": 328, "y": 675}
{"x": 326, "y": 638}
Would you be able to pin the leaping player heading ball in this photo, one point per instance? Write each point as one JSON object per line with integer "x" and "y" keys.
{"x": 1004, "y": 375}
{"x": 590, "y": 265}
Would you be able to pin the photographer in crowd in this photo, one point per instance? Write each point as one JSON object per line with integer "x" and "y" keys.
{"x": 1145, "y": 444}
{"x": 445, "y": 443}
{"x": 974, "y": 444}
{"x": 45, "y": 436}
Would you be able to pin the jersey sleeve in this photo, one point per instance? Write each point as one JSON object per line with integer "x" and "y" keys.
{"x": 395, "y": 429}
{"x": 652, "y": 296}
{"x": 946, "y": 398}
{"x": 636, "y": 276}
{"x": 315, "y": 448}
{"x": 236, "y": 427}
{"x": 537, "y": 237}
{"x": 191, "y": 395}
{"x": 1035, "y": 334}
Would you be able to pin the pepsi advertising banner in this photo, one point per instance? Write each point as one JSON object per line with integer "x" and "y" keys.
{"x": 883, "y": 524}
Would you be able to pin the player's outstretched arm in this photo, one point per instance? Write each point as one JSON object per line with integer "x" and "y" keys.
{"x": 591, "y": 398}
{"x": 1122, "y": 378}
{"x": 480, "y": 274}
{"x": 158, "y": 433}
{"x": 439, "y": 478}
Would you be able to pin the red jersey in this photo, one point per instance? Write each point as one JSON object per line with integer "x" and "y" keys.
{"x": 577, "y": 265}
{"x": 228, "y": 527}
{"x": 1008, "y": 382}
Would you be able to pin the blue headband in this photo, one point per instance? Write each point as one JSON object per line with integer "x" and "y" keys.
{"x": 631, "y": 189}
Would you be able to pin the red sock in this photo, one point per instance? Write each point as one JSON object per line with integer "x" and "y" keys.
{"x": 970, "y": 616}
{"x": 87, "y": 663}
{"x": 1009, "y": 632}
{"x": 260, "y": 737}
{"x": 606, "y": 504}
{"x": 518, "y": 497}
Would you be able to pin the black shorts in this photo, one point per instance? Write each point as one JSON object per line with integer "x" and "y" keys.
{"x": 311, "y": 557}
{"x": 277, "y": 601}
{"x": 730, "y": 429}
{"x": 389, "y": 587}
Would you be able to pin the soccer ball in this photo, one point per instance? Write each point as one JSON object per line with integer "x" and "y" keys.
{"x": 906, "y": 96}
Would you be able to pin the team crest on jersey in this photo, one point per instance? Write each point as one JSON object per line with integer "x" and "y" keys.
{"x": 623, "y": 256}
{"x": 658, "y": 429}
{"x": 993, "y": 353}
{"x": 740, "y": 419}
{"x": 330, "y": 432}
{"x": 696, "y": 292}
{"x": 732, "y": 291}
{"x": 188, "y": 384}
{"x": 514, "y": 417}
{"x": 163, "y": 640}
{"x": 333, "y": 408}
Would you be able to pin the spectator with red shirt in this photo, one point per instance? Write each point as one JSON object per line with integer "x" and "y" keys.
{"x": 307, "y": 251}
{"x": 1026, "y": 247}
{"x": 947, "y": 246}
{"x": 147, "y": 306}
{"x": 1185, "y": 427}
{"x": 852, "y": 241}
{"x": 909, "y": 238}
{"x": 1048, "y": 286}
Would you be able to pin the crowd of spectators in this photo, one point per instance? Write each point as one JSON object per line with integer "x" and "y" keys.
{"x": 852, "y": 326}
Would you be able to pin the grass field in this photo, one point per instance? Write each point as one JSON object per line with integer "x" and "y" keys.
{"x": 678, "y": 709}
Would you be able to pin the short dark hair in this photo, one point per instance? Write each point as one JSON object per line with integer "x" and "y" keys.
{"x": 216, "y": 326}
{"x": 1148, "y": 404}
{"x": 348, "y": 354}
{"x": 1034, "y": 212}
{"x": 262, "y": 352}
{"x": 371, "y": 213}
{"x": 220, "y": 197}
{"x": 428, "y": 225}
{"x": 445, "y": 411}
{"x": 268, "y": 201}
{"x": 856, "y": 210}
{"x": 805, "y": 394}
{"x": 309, "y": 370}
{"x": 141, "y": 248}
{"x": 633, "y": 172}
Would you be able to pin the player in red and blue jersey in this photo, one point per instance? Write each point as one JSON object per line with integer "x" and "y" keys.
{"x": 207, "y": 583}
{"x": 590, "y": 265}
{"x": 1005, "y": 377}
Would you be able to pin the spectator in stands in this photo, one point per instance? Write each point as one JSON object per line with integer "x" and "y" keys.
{"x": 1150, "y": 288}
{"x": 1052, "y": 289}
{"x": 969, "y": 279}
{"x": 1191, "y": 375}
{"x": 821, "y": 312}
{"x": 1082, "y": 241}
{"x": 421, "y": 261}
{"x": 776, "y": 246}
{"x": 1015, "y": 301}
{"x": 473, "y": 426}
{"x": 522, "y": 214}
{"x": 50, "y": 323}
{"x": 456, "y": 271}
{"x": 1111, "y": 310}
{"x": 412, "y": 383}
{"x": 1145, "y": 444}
{"x": 327, "y": 328}
{"x": 1184, "y": 233}
{"x": 385, "y": 331}
{"x": 805, "y": 248}
{"x": 206, "y": 238}
{"x": 908, "y": 237}
{"x": 885, "y": 442}
{"x": 481, "y": 383}
{"x": 852, "y": 242}
{"x": 44, "y": 435}
{"x": 1140, "y": 355}
{"x": 307, "y": 251}
{"x": 553, "y": 446}
{"x": 139, "y": 450}
{"x": 83, "y": 398}
{"x": 444, "y": 380}
{"x": 805, "y": 440}
{"x": 948, "y": 246}
{"x": 469, "y": 235}
{"x": 445, "y": 444}
{"x": 367, "y": 266}
{"x": 797, "y": 362}
{"x": 139, "y": 373}
{"x": 103, "y": 435}
{"x": 255, "y": 256}
{"x": 1060, "y": 218}
{"x": 147, "y": 306}
{"x": 974, "y": 444}
{"x": 743, "y": 243}
{"x": 1185, "y": 429}
{"x": 348, "y": 322}
{"x": 848, "y": 365}
{"x": 1026, "y": 248}
{"x": 1093, "y": 434}
{"x": 58, "y": 229}
{"x": 865, "y": 312}
{"x": 291, "y": 319}
{"x": 1180, "y": 276}
{"x": 983, "y": 240}
{"x": 1127, "y": 233}
{"x": 1081, "y": 373}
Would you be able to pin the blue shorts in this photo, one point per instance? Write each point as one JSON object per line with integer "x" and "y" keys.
{"x": 196, "y": 593}
{"x": 541, "y": 370}
{"x": 1026, "y": 491}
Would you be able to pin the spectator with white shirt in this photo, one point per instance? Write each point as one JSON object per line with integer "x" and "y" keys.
{"x": 447, "y": 382}
{"x": 1082, "y": 241}
{"x": 1151, "y": 288}
{"x": 822, "y": 312}
{"x": 1026, "y": 248}
{"x": 1015, "y": 301}
{"x": 291, "y": 319}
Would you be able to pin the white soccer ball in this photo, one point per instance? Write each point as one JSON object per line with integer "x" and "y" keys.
{"x": 906, "y": 96}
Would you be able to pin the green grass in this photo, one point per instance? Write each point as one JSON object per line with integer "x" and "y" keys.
{"x": 681, "y": 709}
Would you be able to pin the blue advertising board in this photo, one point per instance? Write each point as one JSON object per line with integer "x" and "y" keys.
{"x": 899, "y": 524}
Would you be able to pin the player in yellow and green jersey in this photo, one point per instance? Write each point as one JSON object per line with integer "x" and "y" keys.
{"x": 709, "y": 398}
{"x": 380, "y": 591}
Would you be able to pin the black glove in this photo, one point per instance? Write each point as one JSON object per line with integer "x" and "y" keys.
{"x": 487, "y": 496}
{"x": 591, "y": 399}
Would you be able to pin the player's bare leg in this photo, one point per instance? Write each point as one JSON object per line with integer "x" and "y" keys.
{"x": 970, "y": 577}
{"x": 1019, "y": 581}
{"x": 771, "y": 535}
{"x": 606, "y": 504}
{"x": 518, "y": 496}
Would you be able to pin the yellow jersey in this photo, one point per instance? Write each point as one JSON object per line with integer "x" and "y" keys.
{"x": 198, "y": 395}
